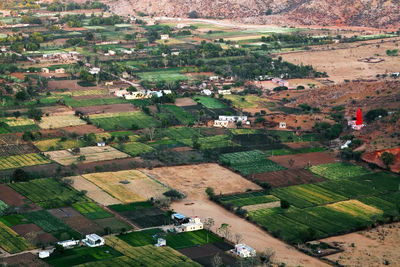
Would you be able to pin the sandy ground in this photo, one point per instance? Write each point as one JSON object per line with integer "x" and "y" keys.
{"x": 193, "y": 179}
{"x": 371, "y": 248}
{"x": 341, "y": 64}
{"x": 93, "y": 191}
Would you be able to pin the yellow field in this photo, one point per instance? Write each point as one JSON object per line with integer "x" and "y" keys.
{"x": 356, "y": 208}
{"x": 53, "y": 122}
{"x": 137, "y": 186}
{"x": 81, "y": 93}
{"x": 170, "y": 41}
{"x": 242, "y": 38}
{"x": 12, "y": 121}
{"x": 56, "y": 144}
{"x": 248, "y": 101}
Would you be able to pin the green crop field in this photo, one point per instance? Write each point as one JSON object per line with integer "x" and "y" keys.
{"x": 349, "y": 188}
{"x": 11, "y": 242}
{"x": 57, "y": 144}
{"x": 11, "y": 162}
{"x": 114, "y": 224}
{"x": 13, "y": 219}
{"x": 209, "y": 102}
{"x": 247, "y": 199}
{"x": 134, "y": 148}
{"x": 248, "y": 101}
{"x": 3, "y": 206}
{"x": 180, "y": 114}
{"x": 91, "y": 211}
{"x": 307, "y": 195}
{"x": 180, "y": 133}
{"x": 250, "y": 162}
{"x": 47, "y": 192}
{"x": 141, "y": 238}
{"x": 72, "y": 257}
{"x": 287, "y": 137}
{"x": 338, "y": 170}
{"x": 168, "y": 75}
{"x": 123, "y": 121}
{"x": 211, "y": 142}
{"x": 51, "y": 224}
{"x": 74, "y": 103}
{"x": 292, "y": 151}
{"x": 191, "y": 239}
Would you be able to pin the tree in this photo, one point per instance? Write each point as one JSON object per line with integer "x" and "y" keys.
{"x": 238, "y": 238}
{"x": 150, "y": 133}
{"x": 19, "y": 175}
{"x": 225, "y": 231}
{"x": 217, "y": 261}
{"x": 210, "y": 192}
{"x": 22, "y": 95}
{"x": 174, "y": 194}
{"x": 208, "y": 223}
{"x": 388, "y": 159}
{"x": 285, "y": 204}
{"x": 35, "y": 113}
{"x": 193, "y": 14}
{"x": 267, "y": 255}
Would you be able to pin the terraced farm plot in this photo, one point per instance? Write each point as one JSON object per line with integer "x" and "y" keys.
{"x": 180, "y": 114}
{"x": 248, "y": 199}
{"x": 287, "y": 177}
{"x": 307, "y": 195}
{"x": 356, "y": 209}
{"x": 81, "y": 255}
{"x": 127, "y": 186}
{"x": 338, "y": 170}
{"x": 17, "y": 149}
{"x": 14, "y": 125}
{"x": 3, "y": 206}
{"x": 134, "y": 149}
{"x": 75, "y": 103}
{"x": 144, "y": 256}
{"x": 57, "y": 144}
{"x": 91, "y": 210}
{"x": 93, "y": 191}
{"x": 209, "y": 102}
{"x": 51, "y": 224}
{"x": 123, "y": 121}
{"x": 249, "y": 162}
{"x": 114, "y": 224}
{"x": 11, "y": 242}
{"x": 18, "y": 161}
{"x": 54, "y": 122}
{"x": 211, "y": 142}
{"x": 86, "y": 155}
{"x": 47, "y": 192}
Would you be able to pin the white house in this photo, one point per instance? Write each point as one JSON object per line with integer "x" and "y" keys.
{"x": 94, "y": 240}
{"x": 167, "y": 92}
{"x": 221, "y": 124}
{"x": 94, "y": 70}
{"x": 44, "y": 254}
{"x": 282, "y": 125}
{"x": 224, "y": 92}
{"x": 68, "y": 243}
{"x": 45, "y": 70}
{"x": 134, "y": 95}
{"x": 206, "y": 92}
{"x": 161, "y": 242}
{"x": 60, "y": 71}
{"x": 233, "y": 118}
{"x": 109, "y": 83}
{"x": 194, "y": 224}
{"x": 175, "y": 53}
{"x": 346, "y": 144}
{"x": 280, "y": 82}
{"x": 164, "y": 36}
{"x": 111, "y": 52}
{"x": 101, "y": 144}
{"x": 244, "y": 251}
{"x": 213, "y": 78}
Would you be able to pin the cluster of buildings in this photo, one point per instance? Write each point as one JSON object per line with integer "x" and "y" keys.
{"x": 230, "y": 121}
{"x": 62, "y": 57}
{"x": 56, "y": 71}
{"x": 142, "y": 94}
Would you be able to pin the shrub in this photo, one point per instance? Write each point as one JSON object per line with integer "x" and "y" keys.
{"x": 174, "y": 194}
{"x": 285, "y": 204}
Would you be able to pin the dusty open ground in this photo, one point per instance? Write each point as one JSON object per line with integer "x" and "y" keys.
{"x": 343, "y": 62}
{"x": 302, "y": 160}
{"x": 374, "y": 157}
{"x": 93, "y": 191}
{"x": 376, "y": 247}
{"x": 127, "y": 186}
{"x": 91, "y": 154}
{"x": 107, "y": 109}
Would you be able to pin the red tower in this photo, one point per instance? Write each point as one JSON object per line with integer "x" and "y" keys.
{"x": 359, "y": 120}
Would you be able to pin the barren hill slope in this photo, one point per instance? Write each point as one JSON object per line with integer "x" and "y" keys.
{"x": 374, "y": 13}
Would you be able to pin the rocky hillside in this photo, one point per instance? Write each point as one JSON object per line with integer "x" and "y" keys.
{"x": 373, "y": 13}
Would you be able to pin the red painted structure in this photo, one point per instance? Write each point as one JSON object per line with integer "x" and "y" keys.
{"x": 359, "y": 120}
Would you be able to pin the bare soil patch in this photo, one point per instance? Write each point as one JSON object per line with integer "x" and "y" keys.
{"x": 83, "y": 129}
{"x": 204, "y": 254}
{"x": 10, "y": 150}
{"x": 368, "y": 248}
{"x": 70, "y": 85}
{"x": 76, "y": 220}
{"x": 374, "y": 157}
{"x": 11, "y": 197}
{"x": 262, "y": 206}
{"x": 186, "y": 101}
{"x": 34, "y": 233}
{"x": 26, "y": 259}
{"x": 302, "y": 160}
{"x": 93, "y": 191}
{"x": 194, "y": 179}
{"x": 114, "y": 108}
{"x": 288, "y": 177}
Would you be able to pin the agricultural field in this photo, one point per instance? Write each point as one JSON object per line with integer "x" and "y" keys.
{"x": 91, "y": 210}
{"x": 18, "y": 161}
{"x": 299, "y": 161}
{"x": 248, "y": 199}
{"x": 83, "y": 255}
{"x": 51, "y": 224}
{"x": 14, "y": 125}
{"x": 180, "y": 114}
{"x": 75, "y": 103}
{"x": 247, "y": 101}
{"x": 142, "y": 215}
{"x": 16, "y": 149}
{"x": 47, "y": 192}
{"x": 127, "y": 186}
{"x": 168, "y": 75}
{"x": 179, "y": 133}
{"x": 134, "y": 149}
{"x": 113, "y": 224}
{"x": 142, "y": 238}
{"x": 250, "y": 162}
{"x": 287, "y": 177}
{"x": 53, "y": 122}
{"x": 292, "y": 151}
{"x": 209, "y": 102}
{"x": 58, "y": 144}
{"x": 123, "y": 121}
{"x": 338, "y": 170}
{"x": 211, "y": 142}
{"x": 11, "y": 242}
{"x": 85, "y": 155}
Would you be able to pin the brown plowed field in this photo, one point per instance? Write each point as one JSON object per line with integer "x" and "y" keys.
{"x": 26, "y": 229}
{"x": 301, "y": 160}
{"x": 185, "y": 101}
{"x": 288, "y": 177}
{"x": 83, "y": 129}
{"x": 107, "y": 109}
{"x": 26, "y": 259}
{"x": 11, "y": 197}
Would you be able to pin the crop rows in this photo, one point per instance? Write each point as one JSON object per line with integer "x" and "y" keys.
{"x": 11, "y": 162}
{"x": 124, "y": 122}
{"x": 134, "y": 148}
{"x": 10, "y": 241}
{"x": 180, "y": 114}
{"x": 338, "y": 170}
{"x": 91, "y": 210}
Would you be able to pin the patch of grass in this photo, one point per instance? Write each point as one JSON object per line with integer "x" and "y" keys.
{"x": 134, "y": 148}
{"x": 141, "y": 238}
{"x": 57, "y": 144}
{"x": 123, "y": 120}
{"x": 292, "y": 151}
{"x": 13, "y": 219}
{"x": 191, "y": 239}
{"x": 91, "y": 211}
{"x": 180, "y": 114}
{"x": 209, "y": 102}
{"x": 114, "y": 224}
{"x": 211, "y": 142}
{"x": 338, "y": 170}
{"x": 74, "y": 103}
